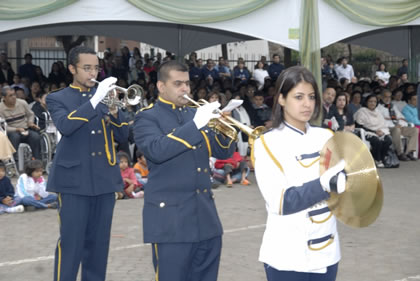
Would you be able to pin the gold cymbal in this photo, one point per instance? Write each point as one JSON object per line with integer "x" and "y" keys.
{"x": 371, "y": 214}
{"x": 361, "y": 203}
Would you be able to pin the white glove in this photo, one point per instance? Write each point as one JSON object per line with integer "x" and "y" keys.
{"x": 334, "y": 179}
{"x": 331, "y": 123}
{"x": 334, "y": 125}
{"x": 205, "y": 113}
{"x": 103, "y": 88}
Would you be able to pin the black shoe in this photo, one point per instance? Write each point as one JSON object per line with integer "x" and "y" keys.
{"x": 403, "y": 157}
{"x": 411, "y": 157}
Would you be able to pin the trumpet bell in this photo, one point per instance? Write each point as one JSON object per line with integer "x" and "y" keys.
{"x": 134, "y": 95}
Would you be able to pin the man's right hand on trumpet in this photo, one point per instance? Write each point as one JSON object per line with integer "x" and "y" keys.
{"x": 104, "y": 87}
{"x": 205, "y": 113}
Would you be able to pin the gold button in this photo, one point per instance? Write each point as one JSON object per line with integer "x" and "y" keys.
{"x": 198, "y": 169}
{"x": 194, "y": 147}
{"x": 90, "y": 95}
{"x": 206, "y": 131}
{"x": 205, "y": 190}
{"x": 180, "y": 109}
{"x": 99, "y": 131}
{"x": 93, "y": 154}
{"x": 99, "y": 153}
{"x": 162, "y": 204}
{"x": 84, "y": 95}
{"x": 205, "y": 170}
{"x": 173, "y": 130}
{"x": 93, "y": 132}
{"x": 198, "y": 191}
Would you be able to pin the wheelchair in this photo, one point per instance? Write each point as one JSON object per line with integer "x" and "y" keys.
{"x": 9, "y": 160}
{"x": 49, "y": 140}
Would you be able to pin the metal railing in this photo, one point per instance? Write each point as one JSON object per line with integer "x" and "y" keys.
{"x": 43, "y": 58}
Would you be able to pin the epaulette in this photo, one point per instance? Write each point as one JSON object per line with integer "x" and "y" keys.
{"x": 145, "y": 108}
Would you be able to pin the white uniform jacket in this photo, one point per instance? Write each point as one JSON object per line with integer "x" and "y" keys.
{"x": 301, "y": 232}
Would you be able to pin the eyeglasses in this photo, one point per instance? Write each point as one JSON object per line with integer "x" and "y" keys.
{"x": 89, "y": 69}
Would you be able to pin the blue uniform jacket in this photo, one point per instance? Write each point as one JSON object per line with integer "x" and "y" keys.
{"x": 178, "y": 204}
{"x": 85, "y": 162}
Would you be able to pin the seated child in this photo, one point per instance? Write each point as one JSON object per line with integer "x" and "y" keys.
{"x": 31, "y": 188}
{"x": 9, "y": 203}
{"x": 261, "y": 113}
{"x": 233, "y": 169}
{"x": 140, "y": 168}
{"x": 131, "y": 185}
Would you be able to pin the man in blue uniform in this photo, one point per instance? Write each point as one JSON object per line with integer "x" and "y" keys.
{"x": 84, "y": 172}
{"x": 179, "y": 215}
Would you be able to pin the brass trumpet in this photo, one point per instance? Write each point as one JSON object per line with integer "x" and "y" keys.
{"x": 133, "y": 95}
{"x": 226, "y": 127}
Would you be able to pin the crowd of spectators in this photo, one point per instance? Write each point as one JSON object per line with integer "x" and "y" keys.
{"x": 380, "y": 108}
{"x": 348, "y": 103}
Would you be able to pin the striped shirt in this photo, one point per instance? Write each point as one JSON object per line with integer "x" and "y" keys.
{"x": 18, "y": 117}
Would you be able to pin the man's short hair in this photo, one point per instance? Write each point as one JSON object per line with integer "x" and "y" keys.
{"x": 168, "y": 66}
{"x": 5, "y": 89}
{"x": 74, "y": 53}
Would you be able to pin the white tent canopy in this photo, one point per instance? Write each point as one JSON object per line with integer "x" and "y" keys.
{"x": 118, "y": 18}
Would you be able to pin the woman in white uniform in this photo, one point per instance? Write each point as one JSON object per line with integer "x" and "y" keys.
{"x": 300, "y": 240}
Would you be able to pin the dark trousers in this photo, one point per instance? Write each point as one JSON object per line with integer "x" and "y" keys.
{"x": 33, "y": 139}
{"x": 379, "y": 147}
{"x": 281, "y": 275}
{"x": 187, "y": 261}
{"x": 85, "y": 228}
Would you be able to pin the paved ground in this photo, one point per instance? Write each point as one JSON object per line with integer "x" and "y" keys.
{"x": 388, "y": 250}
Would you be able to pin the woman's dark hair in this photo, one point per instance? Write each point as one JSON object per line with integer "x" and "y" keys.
{"x": 287, "y": 80}
{"x": 379, "y": 66}
{"x": 342, "y": 94}
{"x": 40, "y": 94}
{"x": 368, "y": 98}
{"x": 212, "y": 93}
{"x": 33, "y": 165}
{"x": 400, "y": 89}
{"x": 199, "y": 89}
{"x": 123, "y": 155}
{"x": 355, "y": 93}
{"x": 410, "y": 96}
